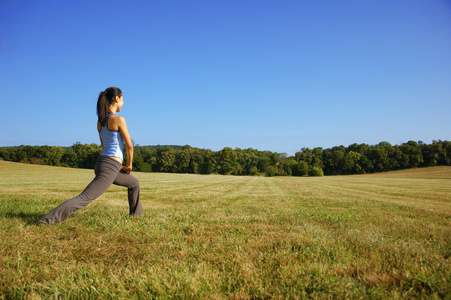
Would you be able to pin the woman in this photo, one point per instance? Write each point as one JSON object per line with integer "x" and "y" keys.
{"x": 108, "y": 169}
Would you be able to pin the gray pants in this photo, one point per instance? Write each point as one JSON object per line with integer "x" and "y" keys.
{"x": 108, "y": 171}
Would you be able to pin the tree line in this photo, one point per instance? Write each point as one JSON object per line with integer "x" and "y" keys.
{"x": 339, "y": 160}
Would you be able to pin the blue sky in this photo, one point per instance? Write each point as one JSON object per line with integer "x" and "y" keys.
{"x": 270, "y": 75}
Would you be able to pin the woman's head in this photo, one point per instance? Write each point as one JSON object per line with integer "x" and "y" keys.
{"x": 109, "y": 97}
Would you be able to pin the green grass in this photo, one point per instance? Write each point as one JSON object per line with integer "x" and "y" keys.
{"x": 208, "y": 236}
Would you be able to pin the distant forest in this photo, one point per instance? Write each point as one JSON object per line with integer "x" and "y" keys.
{"x": 339, "y": 160}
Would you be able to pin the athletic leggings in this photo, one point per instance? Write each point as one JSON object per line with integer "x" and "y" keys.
{"x": 108, "y": 171}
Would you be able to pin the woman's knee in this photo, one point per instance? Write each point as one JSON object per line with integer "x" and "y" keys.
{"x": 133, "y": 183}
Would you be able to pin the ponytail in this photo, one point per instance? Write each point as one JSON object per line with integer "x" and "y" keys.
{"x": 106, "y": 98}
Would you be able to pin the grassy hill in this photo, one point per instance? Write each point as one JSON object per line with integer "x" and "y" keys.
{"x": 384, "y": 235}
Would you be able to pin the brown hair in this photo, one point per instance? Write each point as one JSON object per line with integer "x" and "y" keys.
{"x": 106, "y": 98}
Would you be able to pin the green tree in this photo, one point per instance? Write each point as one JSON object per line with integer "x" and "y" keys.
{"x": 264, "y": 162}
{"x": 210, "y": 165}
{"x": 350, "y": 163}
{"x": 443, "y": 151}
{"x": 23, "y": 153}
{"x": 303, "y": 168}
{"x": 138, "y": 160}
{"x": 166, "y": 160}
{"x": 196, "y": 160}
{"x": 379, "y": 156}
{"x": 182, "y": 160}
{"x": 445, "y": 154}
{"x": 315, "y": 171}
{"x": 70, "y": 158}
{"x": 412, "y": 154}
{"x": 272, "y": 171}
{"x": 335, "y": 160}
{"x": 364, "y": 162}
{"x": 50, "y": 155}
{"x": 227, "y": 161}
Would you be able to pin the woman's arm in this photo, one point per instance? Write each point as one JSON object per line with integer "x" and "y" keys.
{"x": 122, "y": 126}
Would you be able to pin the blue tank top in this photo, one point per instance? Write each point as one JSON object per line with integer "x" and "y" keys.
{"x": 113, "y": 143}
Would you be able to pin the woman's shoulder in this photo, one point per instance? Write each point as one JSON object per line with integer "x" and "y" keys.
{"x": 116, "y": 122}
{"x": 116, "y": 118}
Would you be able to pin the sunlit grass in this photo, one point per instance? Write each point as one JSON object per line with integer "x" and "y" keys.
{"x": 209, "y": 236}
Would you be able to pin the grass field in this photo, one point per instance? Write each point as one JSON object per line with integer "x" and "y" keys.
{"x": 208, "y": 236}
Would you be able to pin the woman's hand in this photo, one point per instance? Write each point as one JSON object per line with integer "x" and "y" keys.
{"x": 126, "y": 169}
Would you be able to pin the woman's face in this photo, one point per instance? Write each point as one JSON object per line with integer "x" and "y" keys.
{"x": 120, "y": 102}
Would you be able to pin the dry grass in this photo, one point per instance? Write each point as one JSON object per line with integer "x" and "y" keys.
{"x": 367, "y": 236}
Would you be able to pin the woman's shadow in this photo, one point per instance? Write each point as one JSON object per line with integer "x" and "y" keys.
{"x": 28, "y": 218}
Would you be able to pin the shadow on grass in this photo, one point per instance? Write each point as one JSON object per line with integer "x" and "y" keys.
{"x": 28, "y": 218}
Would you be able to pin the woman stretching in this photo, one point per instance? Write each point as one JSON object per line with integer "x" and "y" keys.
{"x": 108, "y": 169}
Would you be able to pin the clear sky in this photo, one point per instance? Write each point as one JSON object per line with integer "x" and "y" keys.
{"x": 269, "y": 75}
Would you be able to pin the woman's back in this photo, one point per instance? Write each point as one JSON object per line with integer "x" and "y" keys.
{"x": 113, "y": 143}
